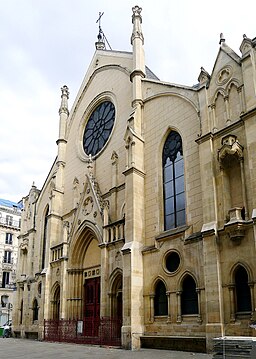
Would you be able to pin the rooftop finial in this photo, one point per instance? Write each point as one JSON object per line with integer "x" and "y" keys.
{"x": 137, "y": 20}
{"x": 64, "y": 99}
{"x": 100, "y": 44}
{"x": 222, "y": 39}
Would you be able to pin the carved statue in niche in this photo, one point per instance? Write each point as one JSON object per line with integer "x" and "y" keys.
{"x": 231, "y": 160}
{"x": 87, "y": 206}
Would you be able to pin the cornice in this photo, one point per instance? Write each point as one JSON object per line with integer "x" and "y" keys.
{"x": 220, "y": 133}
{"x": 134, "y": 170}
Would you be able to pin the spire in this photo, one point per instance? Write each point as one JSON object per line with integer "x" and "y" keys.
{"x": 63, "y": 116}
{"x": 102, "y": 40}
{"x": 100, "y": 44}
{"x": 137, "y": 20}
{"x": 64, "y": 100}
{"x": 137, "y": 40}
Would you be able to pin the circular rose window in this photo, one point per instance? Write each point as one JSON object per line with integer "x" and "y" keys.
{"x": 172, "y": 261}
{"x": 99, "y": 128}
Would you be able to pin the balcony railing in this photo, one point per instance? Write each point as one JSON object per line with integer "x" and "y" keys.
{"x": 7, "y": 260}
{"x": 10, "y": 223}
{"x": 114, "y": 231}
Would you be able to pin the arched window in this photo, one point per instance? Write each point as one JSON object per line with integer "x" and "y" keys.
{"x": 161, "y": 305}
{"x": 243, "y": 294}
{"x": 173, "y": 182}
{"x": 189, "y": 299}
{"x": 35, "y": 310}
{"x": 44, "y": 237}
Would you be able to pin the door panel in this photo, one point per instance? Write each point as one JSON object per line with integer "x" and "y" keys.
{"x": 91, "y": 306}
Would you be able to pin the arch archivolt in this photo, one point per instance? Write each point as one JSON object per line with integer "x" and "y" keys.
{"x": 233, "y": 82}
{"x": 55, "y": 287}
{"x": 115, "y": 276}
{"x": 116, "y": 293}
{"x": 221, "y": 92}
{"x": 55, "y": 301}
{"x": 159, "y": 278}
{"x": 174, "y": 94}
{"x": 234, "y": 268}
{"x": 83, "y": 238}
{"x": 183, "y": 276}
{"x": 164, "y": 138}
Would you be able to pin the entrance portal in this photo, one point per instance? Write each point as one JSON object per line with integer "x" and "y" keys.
{"x": 92, "y": 306}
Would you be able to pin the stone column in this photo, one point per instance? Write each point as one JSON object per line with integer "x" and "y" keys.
{"x": 179, "y": 318}
{"x": 231, "y": 288}
{"x": 227, "y": 110}
{"x": 104, "y": 290}
{"x": 168, "y": 293}
{"x": 199, "y": 318}
{"x": 151, "y": 307}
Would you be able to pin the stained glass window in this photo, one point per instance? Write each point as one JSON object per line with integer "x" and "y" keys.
{"x": 98, "y": 128}
{"x": 173, "y": 182}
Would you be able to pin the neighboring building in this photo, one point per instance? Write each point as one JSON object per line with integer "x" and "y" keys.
{"x": 148, "y": 213}
{"x": 10, "y": 217}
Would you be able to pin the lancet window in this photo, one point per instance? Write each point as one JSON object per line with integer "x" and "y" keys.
{"x": 173, "y": 182}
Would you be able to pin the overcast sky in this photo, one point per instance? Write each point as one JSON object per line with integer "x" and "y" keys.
{"x": 46, "y": 44}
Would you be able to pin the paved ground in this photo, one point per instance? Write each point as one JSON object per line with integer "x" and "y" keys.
{"x": 12, "y": 348}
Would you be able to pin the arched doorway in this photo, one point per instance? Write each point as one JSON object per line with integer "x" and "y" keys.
{"x": 84, "y": 271}
{"x": 56, "y": 303}
{"x": 117, "y": 297}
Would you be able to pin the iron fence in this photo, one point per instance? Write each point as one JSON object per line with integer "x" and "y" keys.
{"x": 99, "y": 331}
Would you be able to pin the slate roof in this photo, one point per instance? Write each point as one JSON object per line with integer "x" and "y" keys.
{"x": 10, "y": 204}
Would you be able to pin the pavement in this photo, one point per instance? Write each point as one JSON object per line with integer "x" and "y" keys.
{"x": 13, "y": 348}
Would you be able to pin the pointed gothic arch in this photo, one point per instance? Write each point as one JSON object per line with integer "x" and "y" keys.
{"x": 116, "y": 294}
{"x": 241, "y": 279}
{"x": 86, "y": 233}
{"x": 160, "y": 299}
{"x": 84, "y": 273}
{"x": 173, "y": 181}
{"x": 189, "y": 295}
{"x": 35, "y": 309}
{"x": 55, "y": 302}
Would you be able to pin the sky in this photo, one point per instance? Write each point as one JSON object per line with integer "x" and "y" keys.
{"x": 46, "y": 44}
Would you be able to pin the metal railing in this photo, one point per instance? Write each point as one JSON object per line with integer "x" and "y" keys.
{"x": 100, "y": 331}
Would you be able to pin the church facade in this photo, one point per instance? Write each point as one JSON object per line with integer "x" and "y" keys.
{"x": 148, "y": 213}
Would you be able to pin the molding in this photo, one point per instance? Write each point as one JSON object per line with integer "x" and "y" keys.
{"x": 171, "y": 233}
{"x": 137, "y": 73}
{"x": 249, "y": 113}
{"x": 221, "y": 132}
{"x": 134, "y": 170}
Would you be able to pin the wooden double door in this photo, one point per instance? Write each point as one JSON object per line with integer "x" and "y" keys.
{"x": 92, "y": 298}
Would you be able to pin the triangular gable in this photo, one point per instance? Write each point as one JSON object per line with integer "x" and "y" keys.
{"x": 90, "y": 206}
{"x": 227, "y": 68}
{"x": 102, "y": 59}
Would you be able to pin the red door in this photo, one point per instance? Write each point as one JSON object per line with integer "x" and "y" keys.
{"x": 92, "y": 306}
